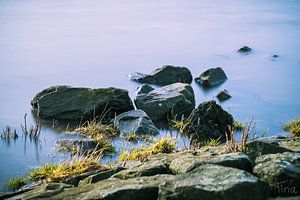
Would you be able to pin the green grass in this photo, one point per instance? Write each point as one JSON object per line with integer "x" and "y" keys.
{"x": 164, "y": 145}
{"x": 133, "y": 137}
{"x": 293, "y": 126}
{"x": 66, "y": 169}
{"x": 17, "y": 183}
{"x": 211, "y": 142}
{"x": 180, "y": 125}
{"x": 239, "y": 126}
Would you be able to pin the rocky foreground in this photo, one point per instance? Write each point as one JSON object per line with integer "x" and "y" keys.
{"x": 268, "y": 169}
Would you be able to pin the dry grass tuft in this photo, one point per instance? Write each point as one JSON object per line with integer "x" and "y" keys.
{"x": 164, "y": 145}
{"x": 232, "y": 145}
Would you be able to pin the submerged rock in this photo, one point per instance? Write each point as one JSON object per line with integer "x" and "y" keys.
{"x": 161, "y": 103}
{"x": 165, "y": 75}
{"x": 144, "y": 88}
{"x": 209, "y": 121}
{"x": 212, "y": 77}
{"x": 135, "y": 121}
{"x": 245, "y": 50}
{"x": 70, "y": 103}
{"x": 223, "y": 95}
{"x": 281, "y": 171}
{"x": 82, "y": 146}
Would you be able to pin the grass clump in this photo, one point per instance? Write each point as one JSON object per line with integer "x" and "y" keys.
{"x": 239, "y": 126}
{"x": 133, "y": 137}
{"x": 66, "y": 169}
{"x": 293, "y": 126}
{"x": 180, "y": 125}
{"x": 211, "y": 142}
{"x": 232, "y": 144}
{"x": 164, "y": 145}
{"x": 16, "y": 183}
{"x": 101, "y": 133}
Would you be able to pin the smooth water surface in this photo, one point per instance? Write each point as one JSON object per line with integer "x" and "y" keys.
{"x": 98, "y": 43}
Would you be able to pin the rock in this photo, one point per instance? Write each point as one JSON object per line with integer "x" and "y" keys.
{"x": 70, "y": 103}
{"x": 207, "y": 181}
{"x": 144, "y": 89}
{"x": 46, "y": 191}
{"x": 74, "y": 180}
{"x": 281, "y": 171}
{"x": 223, "y": 95}
{"x": 245, "y": 50}
{"x": 135, "y": 121}
{"x": 159, "y": 104}
{"x": 185, "y": 164}
{"x": 100, "y": 176}
{"x": 212, "y": 77}
{"x": 147, "y": 168}
{"x": 164, "y": 76}
{"x": 145, "y": 188}
{"x": 258, "y": 148}
{"x": 214, "y": 182}
{"x": 209, "y": 120}
{"x": 82, "y": 146}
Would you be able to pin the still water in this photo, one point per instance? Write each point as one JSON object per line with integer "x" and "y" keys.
{"x": 98, "y": 43}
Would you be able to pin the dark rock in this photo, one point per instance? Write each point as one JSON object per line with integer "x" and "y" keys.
{"x": 185, "y": 164}
{"x": 281, "y": 171}
{"x": 214, "y": 182}
{"x": 245, "y": 50}
{"x": 258, "y": 148}
{"x": 209, "y": 120}
{"x": 82, "y": 146}
{"x": 212, "y": 77}
{"x": 161, "y": 103}
{"x": 69, "y": 103}
{"x": 223, "y": 95}
{"x": 135, "y": 121}
{"x": 144, "y": 88}
{"x": 164, "y": 76}
{"x": 148, "y": 168}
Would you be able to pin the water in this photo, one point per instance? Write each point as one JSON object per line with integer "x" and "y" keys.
{"x": 98, "y": 43}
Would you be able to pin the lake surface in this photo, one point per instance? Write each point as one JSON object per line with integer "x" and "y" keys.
{"x": 98, "y": 43}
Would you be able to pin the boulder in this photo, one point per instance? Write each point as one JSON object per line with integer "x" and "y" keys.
{"x": 214, "y": 182}
{"x": 223, "y": 95}
{"x": 70, "y": 103}
{"x": 175, "y": 99}
{"x": 208, "y": 121}
{"x": 281, "y": 171}
{"x": 245, "y": 50}
{"x": 185, "y": 164}
{"x": 212, "y": 77}
{"x": 144, "y": 88}
{"x": 135, "y": 121}
{"x": 165, "y": 75}
{"x": 82, "y": 146}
